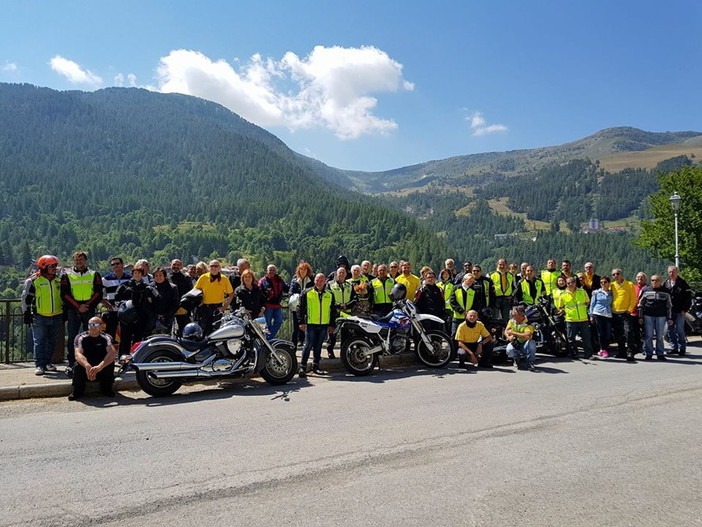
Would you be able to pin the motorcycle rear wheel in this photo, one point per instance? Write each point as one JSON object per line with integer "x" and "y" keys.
{"x": 280, "y": 370}
{"x": 441, "y": 352}
{"x": 356, "y": 359}
{"x": 152, "y": 385}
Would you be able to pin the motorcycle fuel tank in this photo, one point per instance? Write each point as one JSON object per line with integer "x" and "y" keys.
{"x": 230, "y": 331}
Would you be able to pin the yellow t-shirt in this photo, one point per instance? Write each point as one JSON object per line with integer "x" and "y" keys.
{"x": 412, "y": 284}
{"x": 213, "y": 292}
{"x": 464, "y": 333}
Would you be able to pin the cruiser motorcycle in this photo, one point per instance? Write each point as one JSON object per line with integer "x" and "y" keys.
{"x": 238, "y": 348}
{"x": 365, "y": 339}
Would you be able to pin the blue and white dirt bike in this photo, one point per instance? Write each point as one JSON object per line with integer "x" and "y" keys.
{"x": 363, "y": 340}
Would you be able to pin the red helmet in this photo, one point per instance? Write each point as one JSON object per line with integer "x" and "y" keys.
{"x": 47, "y": 260}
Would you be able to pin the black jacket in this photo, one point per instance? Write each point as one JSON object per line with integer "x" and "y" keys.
{"x": 680, "y": 295}
{"x": 250, "y": 299}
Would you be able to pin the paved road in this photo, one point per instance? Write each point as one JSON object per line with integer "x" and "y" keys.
{"x": 578, "y": 443}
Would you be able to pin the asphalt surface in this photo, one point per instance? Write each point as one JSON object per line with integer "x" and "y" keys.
{"x": 577, "y": 443}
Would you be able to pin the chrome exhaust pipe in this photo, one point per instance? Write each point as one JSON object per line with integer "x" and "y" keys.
{"x": 166, "y": 366}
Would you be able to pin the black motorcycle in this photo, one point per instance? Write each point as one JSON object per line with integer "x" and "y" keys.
{"x": 549, "y": 329}
{"x": 239, "y": 348}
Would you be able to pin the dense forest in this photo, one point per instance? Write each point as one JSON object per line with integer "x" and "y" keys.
{"x": 138, "y": 174}
{"x": 133, "y": 173}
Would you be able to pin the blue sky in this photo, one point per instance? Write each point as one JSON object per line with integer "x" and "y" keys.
{"x": 379, "y": 85}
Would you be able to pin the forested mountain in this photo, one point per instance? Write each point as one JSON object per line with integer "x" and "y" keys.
{"x": 140, "y": 174}
{"x": 477, "y": 169}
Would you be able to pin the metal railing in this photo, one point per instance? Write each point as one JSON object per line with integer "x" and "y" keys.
{"x": 15, "y": 336}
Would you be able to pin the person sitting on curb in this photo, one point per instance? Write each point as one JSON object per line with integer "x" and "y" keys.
{"x": 520, "y": 332}
{"x": 475, "y": 341}
{"x": 95, "y": 360}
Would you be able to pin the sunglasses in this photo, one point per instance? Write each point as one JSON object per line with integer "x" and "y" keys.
{"x": 94, "y": 324}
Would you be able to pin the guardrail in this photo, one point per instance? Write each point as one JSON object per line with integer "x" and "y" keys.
{"x": 15, "y": 336}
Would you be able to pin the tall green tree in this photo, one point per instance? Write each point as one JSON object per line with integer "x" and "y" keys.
{"x": 658, "y": 234}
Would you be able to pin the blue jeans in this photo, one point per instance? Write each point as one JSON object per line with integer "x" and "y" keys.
{"x": 529, "y": 347}
{"x": 314, "y": 338}
{"x": 274, "y": 319}
{"x": 651, "y": 324}
{"x": 45, "y": 331}
{"x": 77, "y": 323}
{"x": 676, "y": 333}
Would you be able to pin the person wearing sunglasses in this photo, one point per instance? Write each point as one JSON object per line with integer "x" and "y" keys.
{"x": 623, "y": 303}
{"x": 95, "y": 360}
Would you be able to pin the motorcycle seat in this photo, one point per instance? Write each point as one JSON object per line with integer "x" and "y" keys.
{"x": 192, "y": 345}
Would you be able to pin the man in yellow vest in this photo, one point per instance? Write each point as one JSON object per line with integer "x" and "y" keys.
{"x": 315, "y": 313}
{"x": 81, "y": 290}
{"x": 503, "y": 282}
{"x": 575, "y": 303}
{"x": 550, "y": 275}
{"x": 344, "y": 299}
{"x": 462, "y": 300}
{"x": 43, "y": 309}
{"x": 530, "y": 288}
{"x": 382, "y": 285}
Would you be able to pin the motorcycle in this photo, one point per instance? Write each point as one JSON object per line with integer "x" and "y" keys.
{"x": 364, "y": 339}
{"x": 238, "y": 348}
{"x": 549, "y": 330}
{"x": 693, "y": 318}
{"x": 496, "y": 327}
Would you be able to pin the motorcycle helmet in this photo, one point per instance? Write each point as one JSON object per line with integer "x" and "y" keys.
{"x": 398, "y": 292}
{"x": 192, "y": 331}
{"x": 293, "y": 302}
{"x": 45, "y": 261}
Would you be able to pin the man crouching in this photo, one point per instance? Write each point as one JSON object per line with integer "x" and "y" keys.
{"x": 95, "y": 360}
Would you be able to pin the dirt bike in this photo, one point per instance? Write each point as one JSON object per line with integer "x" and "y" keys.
{"x": 365, "y": 339}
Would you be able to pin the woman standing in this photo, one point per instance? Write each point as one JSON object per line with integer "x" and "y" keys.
{"x": 303, "y": 279}
{"x": 601, "y": 314}
{"x": 166, "y": 299}
{"x": 135, "y": 325}
{"x": 249, "y": 295}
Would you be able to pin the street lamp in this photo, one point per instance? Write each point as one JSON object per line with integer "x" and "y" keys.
{"x": 675, "y": 201}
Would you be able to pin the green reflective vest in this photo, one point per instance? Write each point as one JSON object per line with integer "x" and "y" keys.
{"x": 550, "y": 278}
{"x": 342, "y": 292}
{"x": 81, "y": 284}
{"x": 47, "y": 297}
{"x": 381, "y": 291}
{"x": 575, "y": 304}
{"x": 526, "y": 291}
{"x": 496, "y": 278}
{"x": 463, "y": 300}
{"x": 447, "y": 288}
{"x": 319, "y": 306}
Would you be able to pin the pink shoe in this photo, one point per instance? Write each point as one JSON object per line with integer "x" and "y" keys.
{"x": 603, "y": 354}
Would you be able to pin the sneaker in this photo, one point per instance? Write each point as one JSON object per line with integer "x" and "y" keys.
{"x": 303, "y": 373}
{"x": 50, "y": 367}
{"x": 73, "y": 396}
{"x": 662, "y": 357}
{"x": 317, "y": 371}
{"x": 39, "y": 370}
{"x": 603, "y": 354}
{"x": 649, "y": 357}
{"x": 532, "y": 367}
{"x": 630, "y": 358}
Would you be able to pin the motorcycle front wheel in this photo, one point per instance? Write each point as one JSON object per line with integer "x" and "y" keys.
{"x": 440, "y": 352}
{"x": 281, "y": 369}
{"x": 356, "y": 359}
{"x": 152, "y": 385}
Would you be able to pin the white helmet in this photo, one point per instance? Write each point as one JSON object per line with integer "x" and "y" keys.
{"x": 293, "y": 301}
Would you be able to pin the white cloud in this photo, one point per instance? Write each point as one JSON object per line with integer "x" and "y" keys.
{"x": 10, "y": 67}
{"x": 73, "y": 72}
{"x": 125, "y": 80}
{"x": 331, "y": 87}
{"x": 477, "y": 124}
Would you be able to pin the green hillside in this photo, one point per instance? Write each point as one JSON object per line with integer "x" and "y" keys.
{"x": 140, "y": 174}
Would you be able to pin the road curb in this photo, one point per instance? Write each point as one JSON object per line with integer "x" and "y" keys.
{"x": 128, "y": 382}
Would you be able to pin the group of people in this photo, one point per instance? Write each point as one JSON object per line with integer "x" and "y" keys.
{"x": 598, "y": 309}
